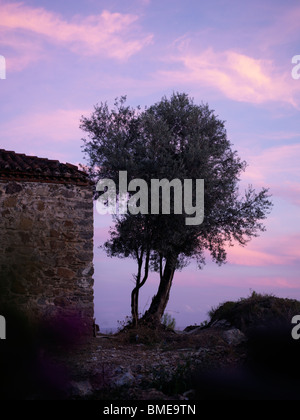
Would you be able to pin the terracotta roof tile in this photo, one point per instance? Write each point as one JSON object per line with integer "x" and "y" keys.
{"x": 17, "y": 166}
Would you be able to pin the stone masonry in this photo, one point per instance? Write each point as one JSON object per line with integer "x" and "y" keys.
{"x": 46, "y": 239}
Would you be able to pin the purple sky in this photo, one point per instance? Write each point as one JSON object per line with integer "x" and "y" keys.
{"x": 64, "y": 57}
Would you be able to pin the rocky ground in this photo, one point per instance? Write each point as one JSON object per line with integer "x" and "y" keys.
{"x": 213, "y": 363}
{"x": 246, "y": 351}
{"x": 151, "y": 367}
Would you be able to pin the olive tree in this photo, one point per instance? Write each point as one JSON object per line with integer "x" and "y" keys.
{"x": 173, "y": 139}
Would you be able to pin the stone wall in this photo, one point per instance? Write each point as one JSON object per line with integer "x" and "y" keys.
{"x": 46, "y": 249}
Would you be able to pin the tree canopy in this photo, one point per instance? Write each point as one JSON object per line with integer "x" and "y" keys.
{"x": 173, "y": 139}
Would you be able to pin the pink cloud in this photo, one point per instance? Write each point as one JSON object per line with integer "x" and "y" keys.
{"x": 262, "y": 282}
{"x": 280, "y": 163}
{"x": 291, "y": 191}
{"x": 269, "y": 250}
{"x": 108, "y": 34}
{"x": 26, "y": 51}
{"x": 251, "y": 257}
{"x": 53, "y": 134}
{"x": 229, "y": 277}
{"x": 276, "y": 168}
{"x": 59, "y": 125}
{"x": 238, "y": 76}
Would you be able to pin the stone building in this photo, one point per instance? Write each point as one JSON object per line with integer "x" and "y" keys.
{"x": 46, "y": 239}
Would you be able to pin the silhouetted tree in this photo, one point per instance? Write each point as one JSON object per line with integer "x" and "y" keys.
{"x": 174, "y": 139}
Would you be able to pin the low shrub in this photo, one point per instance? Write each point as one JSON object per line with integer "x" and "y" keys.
{"x": 257, "y": 310}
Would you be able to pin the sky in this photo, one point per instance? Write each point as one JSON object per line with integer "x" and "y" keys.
{"x": 62, "y": 58}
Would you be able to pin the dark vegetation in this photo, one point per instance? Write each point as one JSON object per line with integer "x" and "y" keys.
{"x": 256, "y": 311}
{"x": 270, "y": 369}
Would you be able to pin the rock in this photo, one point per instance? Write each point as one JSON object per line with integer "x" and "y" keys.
{"x": 196, "y": 330}
{"x": 13, "y": 188}
{"x": 81, "y": 389}
{"x": 120, "y": 369}
{"x": 124, "y": 379}
{"x": 191, "y": 328}
{"x": 221, "y": 323}
{"x": 152, "y": 394}
{"x": 234, "y": 337}
{"x": 189, "y": 395}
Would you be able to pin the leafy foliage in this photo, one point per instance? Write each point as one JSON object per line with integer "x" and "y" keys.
{"x": 168, "y": 321}
{"x": 173, "y": 139}
{"x": 257, "y": 310}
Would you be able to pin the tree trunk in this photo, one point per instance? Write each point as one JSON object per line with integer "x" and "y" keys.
{"x": 135, "y": 292}
{"x": 135, "y": 306}
{"x": 160, "y": 300}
